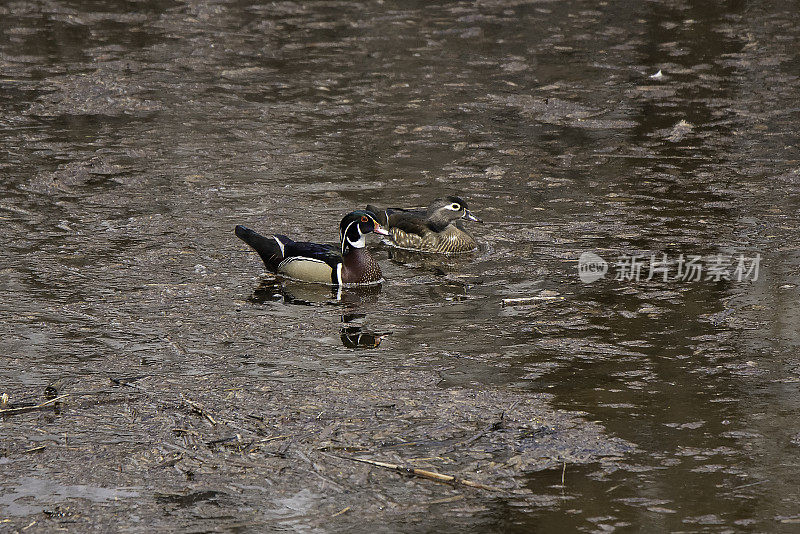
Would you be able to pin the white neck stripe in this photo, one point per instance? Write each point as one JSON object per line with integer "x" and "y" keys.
{"x": 361, "y": 243}
{"x": 344, "y": 235}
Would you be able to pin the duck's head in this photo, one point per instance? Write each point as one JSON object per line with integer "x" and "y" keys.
{"x": 355, "y": 226}
{"x": 445, "y": 210}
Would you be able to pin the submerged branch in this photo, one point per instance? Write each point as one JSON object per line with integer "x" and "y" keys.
{"x": 422, "y": 473}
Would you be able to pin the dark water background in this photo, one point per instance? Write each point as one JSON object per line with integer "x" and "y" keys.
{"x": 136, "y": 134}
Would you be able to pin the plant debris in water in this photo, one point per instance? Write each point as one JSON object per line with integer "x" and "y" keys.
{"x": 169, "y": 454}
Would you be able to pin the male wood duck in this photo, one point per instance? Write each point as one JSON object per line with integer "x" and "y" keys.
{"x": 349, "y": 265}
{"x": 436, "y": 229}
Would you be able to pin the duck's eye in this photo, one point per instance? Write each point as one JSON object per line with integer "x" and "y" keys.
{"x": 455, "y": 207}
{"x": 364, "y": 218}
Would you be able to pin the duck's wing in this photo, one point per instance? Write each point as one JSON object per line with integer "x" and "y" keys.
{"x": 388, "y": 216}
{"x": 406, "y": 216}
{"x": 408, "y": 222}
{"x": 315, "y": 251}
{"x": 311, "y": 262}
{"x": 420, "y": 213}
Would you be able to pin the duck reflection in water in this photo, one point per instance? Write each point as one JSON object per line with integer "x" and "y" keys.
{"x": 353, "y": 335}
{"x": 290, "y": 292}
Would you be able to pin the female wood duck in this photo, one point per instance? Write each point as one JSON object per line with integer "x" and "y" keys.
{"x": 436, "y": 229}
{"x": 348, "y": 265}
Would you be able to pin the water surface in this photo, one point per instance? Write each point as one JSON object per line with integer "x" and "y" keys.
{"x": 137, "y": 134}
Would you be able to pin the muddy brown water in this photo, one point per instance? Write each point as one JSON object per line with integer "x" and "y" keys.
{"x": 203, "y": 395}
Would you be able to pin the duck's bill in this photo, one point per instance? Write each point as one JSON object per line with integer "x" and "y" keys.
{"x": 380, "y": 230}
{"x": 470, "y": 217}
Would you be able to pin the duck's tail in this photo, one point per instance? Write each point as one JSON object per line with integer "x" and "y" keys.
{"x": 271, "y": 249}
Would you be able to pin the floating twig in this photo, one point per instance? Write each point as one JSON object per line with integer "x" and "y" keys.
{"x": 423, "y": 473}
{"x": 491, "y": 427}
{"x": 454, "y": 498}
{"x": 124, "y": 382}
{"x": 316, "y": 473}
{"x": 651, "y": 156}
{"x": 340, "y": 512}
{"x": 23, "y": 409}
{"x": 273, "y": 438}
{"x": 520, "y": 301}
{"x": 199, "y": 409}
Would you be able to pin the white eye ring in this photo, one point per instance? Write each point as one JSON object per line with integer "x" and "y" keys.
{"x": 454, "y": 206}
